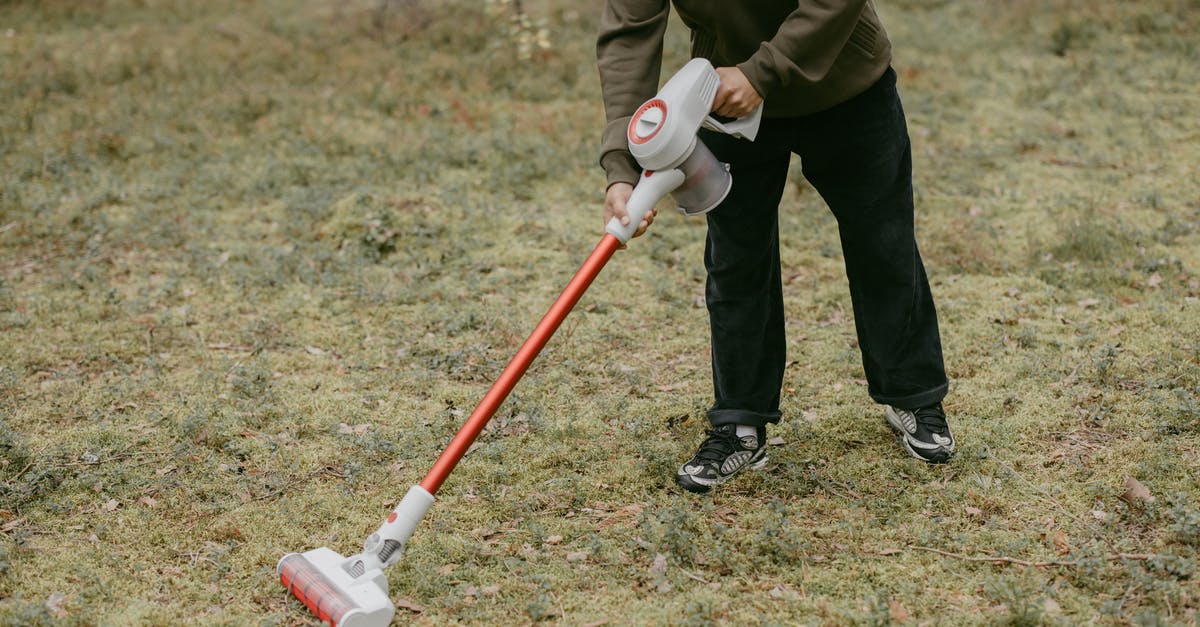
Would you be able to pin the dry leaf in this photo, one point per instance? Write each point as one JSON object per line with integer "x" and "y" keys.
{"x": 897, "y": 612}
{"x": 359, "y": 429}
{"x": 775, "y": 441}
{"x": 1061, "y": 543}
{"x": 313, "y": 350}
{"x": 165, "y": 470}
{"x": 554, "y": 539}
{"x": 973, "y": 511}
{"x": 111, "y": 505}
{"x": 54, "y": 604}
{"x": 779, "y": 592}
{"x": 12, "y": 524}
{"x": 148, "y": 501}
{"x": 577, "y": 556}
{"x": 447, "y": 569}
{"x": 889, "y": 551}
{"x": 490, "y": 590}
{"x": 1155, "y": 280}
{"x": 405, "y": 604}
{"x": 1136, "y": 494}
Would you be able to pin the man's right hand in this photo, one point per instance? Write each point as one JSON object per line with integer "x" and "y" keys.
{"x": 614, "y": 206}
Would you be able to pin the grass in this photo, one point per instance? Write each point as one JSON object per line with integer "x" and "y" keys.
{"x": 259, "y": 260}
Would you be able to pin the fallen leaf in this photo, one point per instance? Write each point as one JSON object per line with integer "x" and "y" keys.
{"x": 54, "y": 604}
{"x": 447, "y": 569}
{"x": 165, "y": 470}
{"x": 779, "y": 592}
{"x": 111, "y": 505}
{"x": 148, "y": 501}
{"x": 1099, "y": 514}
{"x": 1136, "y": 494}
{"x": 1155, "y": 280}
{"x": 405, "y": 604}
{"x": 1088, "y": 302}
{"x": 554, "y": 539}
{"x": 889, "y": 551}
{"x": 359, "y": 429}
{"x": 897, "y": 612}
{"x": 973, "y": 511}
{"x": 313, "y": 350}
{"x": 1061, "y": 543}
{"x": 775, "y": 441}
{"x": 490, "y": 590}
{"x": 577, "y": 556}
{"x": 12, "y": 524}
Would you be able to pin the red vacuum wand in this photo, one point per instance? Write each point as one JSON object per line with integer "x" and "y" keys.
{"x": 520, "y": 362}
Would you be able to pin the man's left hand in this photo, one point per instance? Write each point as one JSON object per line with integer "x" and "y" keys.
{"x": 736, "y": 96}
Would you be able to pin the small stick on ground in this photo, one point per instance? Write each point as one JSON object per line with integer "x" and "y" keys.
{"x": 1001, "y": 559}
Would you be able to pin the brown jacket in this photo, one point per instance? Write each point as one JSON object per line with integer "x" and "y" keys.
{"x": 802, "y": 56}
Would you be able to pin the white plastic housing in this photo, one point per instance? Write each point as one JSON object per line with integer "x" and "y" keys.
{"x": 401, "y": 523}
{"x": 651, "y": 188}
{"x": 663, "y": 130}
{"x": 319, "y": 578}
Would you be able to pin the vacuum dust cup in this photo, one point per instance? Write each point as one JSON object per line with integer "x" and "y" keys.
{"x": 706, "y": 183}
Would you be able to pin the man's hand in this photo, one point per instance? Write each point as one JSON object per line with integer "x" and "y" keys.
{"x": 614, "y": 206}
{"x": 736, "y": 96}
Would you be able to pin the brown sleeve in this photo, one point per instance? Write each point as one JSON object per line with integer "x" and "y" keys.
{"x": 629, "y": 57}
{"x": 805, "y": 46}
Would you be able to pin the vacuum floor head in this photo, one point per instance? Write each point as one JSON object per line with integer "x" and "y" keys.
{"x": 320, "y": 580}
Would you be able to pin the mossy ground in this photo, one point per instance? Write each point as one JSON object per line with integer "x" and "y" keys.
{"x": 259, "y": 260}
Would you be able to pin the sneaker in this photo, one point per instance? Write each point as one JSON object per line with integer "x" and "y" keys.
{"x": 923, "y": 432}
{"x": 721, "y": 456}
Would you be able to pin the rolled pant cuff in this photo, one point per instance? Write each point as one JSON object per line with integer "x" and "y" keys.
{"x": 720, "y": 417}
{"x": 914, "y": 401}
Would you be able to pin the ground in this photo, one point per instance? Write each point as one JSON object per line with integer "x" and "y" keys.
{"x": 258, "y": 260}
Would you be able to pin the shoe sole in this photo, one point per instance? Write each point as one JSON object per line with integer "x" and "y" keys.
{"x": 942, "y": 457}
{"x": 691, "y": 485}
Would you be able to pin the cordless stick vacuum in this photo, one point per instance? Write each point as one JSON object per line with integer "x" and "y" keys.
{"x": 353, "y": 591}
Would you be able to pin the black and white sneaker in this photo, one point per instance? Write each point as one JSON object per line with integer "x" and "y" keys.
{"x": 923, "y": 432}
{"x": 721, "y": 456}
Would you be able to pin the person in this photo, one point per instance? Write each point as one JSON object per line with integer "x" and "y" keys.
{"x": 822, "y": 70}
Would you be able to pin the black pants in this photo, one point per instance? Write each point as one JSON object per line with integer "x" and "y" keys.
{"x": 857, "y": 156}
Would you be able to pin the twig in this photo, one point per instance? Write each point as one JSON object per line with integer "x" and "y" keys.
{"x": 694, "y": 576}
{"x": 289, "y": 485}
{"x": 1002, "y": 559}
{"x": 23, "y": 470}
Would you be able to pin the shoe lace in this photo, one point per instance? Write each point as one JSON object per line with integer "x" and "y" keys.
{"x": 718, "y": 446}
{"x": 933, "y": 418}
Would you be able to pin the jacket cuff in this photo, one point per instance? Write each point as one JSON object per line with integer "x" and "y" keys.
{"x": 620, "y": 167}
{"x": 760, "y": 71}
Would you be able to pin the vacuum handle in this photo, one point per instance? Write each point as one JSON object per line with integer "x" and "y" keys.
{"x": 653, "y": 187}
{"x": 745, "y": 127}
